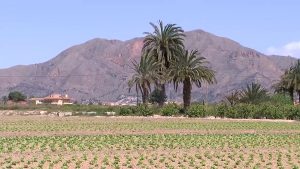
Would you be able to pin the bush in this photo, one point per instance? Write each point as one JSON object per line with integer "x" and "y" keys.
{"x": 221, "y": 110}
{"x": 281, "y": 99}
{"x": 244, "y": 111}
{"x": 126, "y": 111}
{"x": 16, "y": 96}
{"x": 265, "y": 110}
{"x": 271, "y": 111}
{"x": 157, "y": 96}
{"x": 143, "y": 110}
{"x": 170, "y": 110}
{"x": 292, "y": 112}
{"x": 196, "y": 110}
{"x": 231, "y": 112}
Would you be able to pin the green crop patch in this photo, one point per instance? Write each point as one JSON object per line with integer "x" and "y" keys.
{"x": 87, "y": 142}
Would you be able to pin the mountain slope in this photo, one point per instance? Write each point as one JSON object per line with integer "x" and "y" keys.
{"x": 99, "y": 69}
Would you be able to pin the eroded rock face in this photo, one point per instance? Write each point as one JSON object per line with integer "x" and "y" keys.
{"x": 99, "y": 69}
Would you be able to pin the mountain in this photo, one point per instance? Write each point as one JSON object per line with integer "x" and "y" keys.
{"x": 99, "y": 69}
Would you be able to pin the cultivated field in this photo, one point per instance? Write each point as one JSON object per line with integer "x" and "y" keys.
{"x": 140, "y": 142}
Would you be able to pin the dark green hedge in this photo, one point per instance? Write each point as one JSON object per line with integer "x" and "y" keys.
{"x": 246, "y": 111}
{"x": 261, "y": 111}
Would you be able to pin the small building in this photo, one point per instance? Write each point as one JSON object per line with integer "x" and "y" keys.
{"x": 56, "y": 99}
{"x": 36, "y": 100}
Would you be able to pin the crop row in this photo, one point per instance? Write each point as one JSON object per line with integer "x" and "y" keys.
{"x": 195, "y": 158}
{"x": 110, "y": 124}
{"x": 142, "y": 142}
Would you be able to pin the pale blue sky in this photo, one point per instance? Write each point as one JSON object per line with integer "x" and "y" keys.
{"x": 33, "y": 31}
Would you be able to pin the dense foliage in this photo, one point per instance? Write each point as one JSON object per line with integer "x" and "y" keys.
{"x": 189, "y": 68}
{"x": 16, "y": 96}
{"x": 254, "y": 93}
{"x": 170, "y": 110}
{"x": 290, "y": 81}
{"x": 157, "y": 96}
{"x": 165, "y": 45}
{"x": 145, "y": 74}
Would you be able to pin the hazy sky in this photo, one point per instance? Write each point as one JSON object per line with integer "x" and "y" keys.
{"x": 33, "y": 31}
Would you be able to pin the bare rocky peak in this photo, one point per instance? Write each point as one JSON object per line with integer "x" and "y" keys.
{"x": 99, "y": 69}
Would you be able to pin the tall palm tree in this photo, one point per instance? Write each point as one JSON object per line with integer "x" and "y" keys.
{"x": 284, "y": 85}
{"x": 163, "y": 45}
{"x": 254, "y": 93}
{"x": 145, "y": 74}
{"x": 188, "y": 68}
{"x": 293, "y": 78}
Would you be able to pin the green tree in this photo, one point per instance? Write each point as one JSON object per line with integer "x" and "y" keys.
{"x": 188, "y": 68}
{"x": 163, "y": 45}
{"x": 293, "y": 78}
{"x": 145, "y": 74}
{"x": 16, "y": 96}
{"x": 285, "y": 85}
{"x": 280, "y": 99}
{"x": 157, "y": 96}
{"x": 254, "y": 93}
{"x": 290, "y": 81}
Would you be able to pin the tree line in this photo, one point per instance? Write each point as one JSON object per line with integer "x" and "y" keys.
{"x": 165, "y": 59}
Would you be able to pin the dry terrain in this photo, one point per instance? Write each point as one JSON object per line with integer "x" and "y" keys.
{"x": 99, "y": 70}
{"x": 131, "y": 142}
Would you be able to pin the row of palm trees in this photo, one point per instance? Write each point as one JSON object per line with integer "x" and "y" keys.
{"x": 290, "y": 81}
{"x": 165, "y": 60}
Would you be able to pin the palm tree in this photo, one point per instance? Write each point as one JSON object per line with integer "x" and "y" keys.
{"x": 163, "y": 45}
{"x": 254, "y": 93}
{"x": 233, "y": 98}
{"x": 284, "y": 85}
{"x": 293, "y": 78}
{"x": 188, "y": 69}
{"x": 145, "y": 74}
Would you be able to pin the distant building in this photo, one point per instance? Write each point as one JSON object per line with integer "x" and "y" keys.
{"x": 56, "y": 99}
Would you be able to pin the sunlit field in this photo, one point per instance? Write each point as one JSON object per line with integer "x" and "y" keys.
{"x": 147, "y": 142}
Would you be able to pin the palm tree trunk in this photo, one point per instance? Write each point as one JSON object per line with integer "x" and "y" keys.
{"x": 145, "y": 95}
{"x": 291, "y": 93}
{"x": 163, "y": 93}
{"x": 298, "y": 92}
{"x": 187, "y": 89}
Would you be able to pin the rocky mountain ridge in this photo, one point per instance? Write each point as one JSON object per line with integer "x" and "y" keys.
{"x": 99, "y": 69}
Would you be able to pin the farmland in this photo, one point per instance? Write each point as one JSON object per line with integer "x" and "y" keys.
{"x": 145, "y": 142}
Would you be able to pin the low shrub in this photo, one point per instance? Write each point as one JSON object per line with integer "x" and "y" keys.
{"x": 221, "y": 110}
{"x": 143, "y": 110}
{"x": 292, "y": 112}
{"x": 170, "y": 110}
{"x": 271, "y": 111}
{"x": 126, "y": 111}
{"x": 196, "y": 110}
